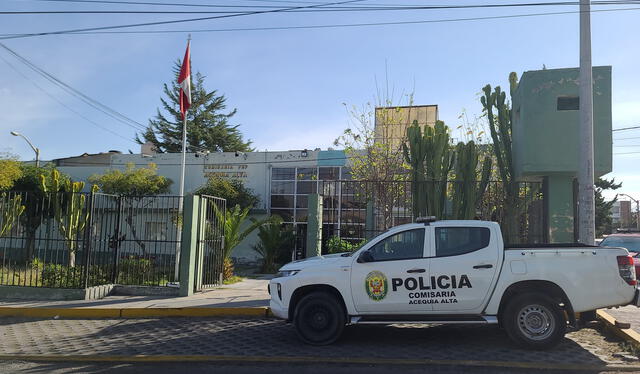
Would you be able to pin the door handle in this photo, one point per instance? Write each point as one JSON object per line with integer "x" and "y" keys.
{"x": 416, "y": 271}
{"x": 487, "y": 266}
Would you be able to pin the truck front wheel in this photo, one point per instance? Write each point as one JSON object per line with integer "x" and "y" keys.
{"x": 319, "y": 318}
{"x": 535, "y": 321}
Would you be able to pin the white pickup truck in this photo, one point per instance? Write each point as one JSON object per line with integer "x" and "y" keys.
{"x": 452, "y": 272}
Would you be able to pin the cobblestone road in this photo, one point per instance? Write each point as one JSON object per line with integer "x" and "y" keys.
{"x": 273, "y": 338}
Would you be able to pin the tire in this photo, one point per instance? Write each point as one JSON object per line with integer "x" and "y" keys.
{"x": 534, "y": 321}
{"x": 319, "y": 318}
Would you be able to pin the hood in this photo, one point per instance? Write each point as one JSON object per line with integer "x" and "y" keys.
{"x": 315, "y": 261}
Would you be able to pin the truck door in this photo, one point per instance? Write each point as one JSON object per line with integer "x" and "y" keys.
{"x": 463, "y": 267}
{"x": 382, "y": 285}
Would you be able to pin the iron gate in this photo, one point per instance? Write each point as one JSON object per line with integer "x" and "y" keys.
{"x": 133, "y": 240}
{"x": 210, "y": 254}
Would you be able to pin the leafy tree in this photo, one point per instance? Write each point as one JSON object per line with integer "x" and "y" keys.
{"x": 10, "y": 171}
{"x": 208, "y": 126}
{"x": 233, "y": 190}
{"x": 143, "y": 181}
{"x": 276, "y": 243}
{"x": 337, "y": 245}
{"x": 234, "y": 234}
{"x": 604, "y": 221}
{"x": 134, "y": 184}
{"x": 375, "y": 154}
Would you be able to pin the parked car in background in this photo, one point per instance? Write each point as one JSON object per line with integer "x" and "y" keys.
{"x": 628, "y": 240}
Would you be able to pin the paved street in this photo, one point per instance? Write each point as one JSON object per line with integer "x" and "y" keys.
{"x": 256, "y": 340}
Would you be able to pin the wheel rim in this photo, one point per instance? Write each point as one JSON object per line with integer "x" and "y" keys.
{"x": 319, "y": 318}
{"x": 536, "y": 322}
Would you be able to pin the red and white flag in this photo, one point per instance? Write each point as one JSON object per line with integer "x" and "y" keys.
{"x": 184, "y": 80}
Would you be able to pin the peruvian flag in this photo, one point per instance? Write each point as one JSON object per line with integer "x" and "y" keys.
{"x": 184, "y": 80}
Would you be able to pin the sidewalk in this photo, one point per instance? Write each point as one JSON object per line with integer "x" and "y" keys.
{"x": 629, "y": 314}
{"x": 248, "y": 294}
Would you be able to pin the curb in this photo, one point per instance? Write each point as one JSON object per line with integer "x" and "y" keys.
{"x": 133, "y": 312}
{"x": 324, "y": 360}
{"x": 627, "y": 334}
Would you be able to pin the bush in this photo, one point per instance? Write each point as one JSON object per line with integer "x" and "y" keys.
{"x": 134, "y": 270}
{"x": 337, "y": 245}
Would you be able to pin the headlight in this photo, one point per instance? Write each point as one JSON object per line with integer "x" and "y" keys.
{"x": 287, "y": 273}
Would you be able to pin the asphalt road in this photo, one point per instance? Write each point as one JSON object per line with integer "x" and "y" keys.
{"x": 239, "y": 368}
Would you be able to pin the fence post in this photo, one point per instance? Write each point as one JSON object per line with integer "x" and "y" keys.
{"x": 87, "y": 238}
{"x": 370, "y": 221}
{"x": 189, "y": 244}
{"x": 314, "y": 226}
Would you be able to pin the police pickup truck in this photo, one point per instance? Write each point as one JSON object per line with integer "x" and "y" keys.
{"x": 452, "y": 272}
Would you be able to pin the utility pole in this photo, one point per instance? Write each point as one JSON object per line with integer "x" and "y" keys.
{"x": 586, "y": 197}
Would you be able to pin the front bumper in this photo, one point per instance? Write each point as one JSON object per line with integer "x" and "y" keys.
{"x": 276, "y": 304}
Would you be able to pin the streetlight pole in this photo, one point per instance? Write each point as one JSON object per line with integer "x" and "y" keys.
{"x": 586, "y": 197}
{"x": 637, "y": 209}
{"x": 35, "y": 149}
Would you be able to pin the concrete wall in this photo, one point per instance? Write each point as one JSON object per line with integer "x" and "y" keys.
{"x": 545, "y": 139}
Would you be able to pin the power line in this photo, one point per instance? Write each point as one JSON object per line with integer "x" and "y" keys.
{"x": 61, "y": 103}
{"x": 627, "y": 128}
{"x": 377, "y": 5}
{"x": 174, "y": 21}
{"x": 4, "y": 36}
{"x": 74, "y": 92}
{"x": 370, "y": 8}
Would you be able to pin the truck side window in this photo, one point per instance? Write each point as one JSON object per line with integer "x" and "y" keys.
{"x": 401, "y": 246}
{"x": 453, "y": 241}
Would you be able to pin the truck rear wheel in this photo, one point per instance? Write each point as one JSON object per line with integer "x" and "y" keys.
{"x": 534, "y": 321}
{"x": 319, "y": 318}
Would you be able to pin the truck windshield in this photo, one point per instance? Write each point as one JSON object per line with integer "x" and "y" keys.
{"x": 631, "y": 243}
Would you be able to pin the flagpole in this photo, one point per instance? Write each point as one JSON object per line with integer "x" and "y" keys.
{"x": 183, "y": 164}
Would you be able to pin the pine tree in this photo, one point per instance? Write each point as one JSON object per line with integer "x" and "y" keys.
{"x": 208, "y": 126}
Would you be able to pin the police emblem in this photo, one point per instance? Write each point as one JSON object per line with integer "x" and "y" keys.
{"x": 376, "y": 285}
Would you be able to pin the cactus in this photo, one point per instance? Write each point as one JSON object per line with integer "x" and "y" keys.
{"x": 438, "y": 164}
{"x": 466, "y": 191}
{"x": 500, "y": 128}
{"x": 10, "y": 211}
{"x": 68, "y": 209}
{"x": 414, "y": 155}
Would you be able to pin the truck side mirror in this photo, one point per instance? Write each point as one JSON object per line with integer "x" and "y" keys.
{"x": 365, "y": 257}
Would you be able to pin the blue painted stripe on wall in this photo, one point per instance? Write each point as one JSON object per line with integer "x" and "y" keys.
{"x": 332, "y": 158}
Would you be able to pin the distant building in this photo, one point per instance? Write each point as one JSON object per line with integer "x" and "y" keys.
{"x": 391, "y": 122}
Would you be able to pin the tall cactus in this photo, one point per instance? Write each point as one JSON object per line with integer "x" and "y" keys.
{"x": 466, "y": 191}
{"x": 10, "y": 210}
{"x": 500, "y": 128}
{"x": 68, "y": 208}
{"x": 414, "y": 155}
{"x": 438, "y": 163}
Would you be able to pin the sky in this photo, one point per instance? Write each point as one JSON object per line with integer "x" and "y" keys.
{"x": 290, "y": 87}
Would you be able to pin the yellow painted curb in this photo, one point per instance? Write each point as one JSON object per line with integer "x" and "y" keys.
{"x": 133, "y": 312}
{"x": 327, "y": 360}
{"x": 627, "y": 334}
{"x": 193, "y": 312}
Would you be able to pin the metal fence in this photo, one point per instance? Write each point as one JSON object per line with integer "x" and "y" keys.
{"x": 210, "y": 248}
{"x": 357, "y": 210}
{"x": 79, "y": 240}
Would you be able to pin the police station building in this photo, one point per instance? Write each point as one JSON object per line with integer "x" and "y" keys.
{"x": 282, "y": 180}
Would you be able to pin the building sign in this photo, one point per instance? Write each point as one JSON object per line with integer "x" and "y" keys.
{"x": 226, "y": 170}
